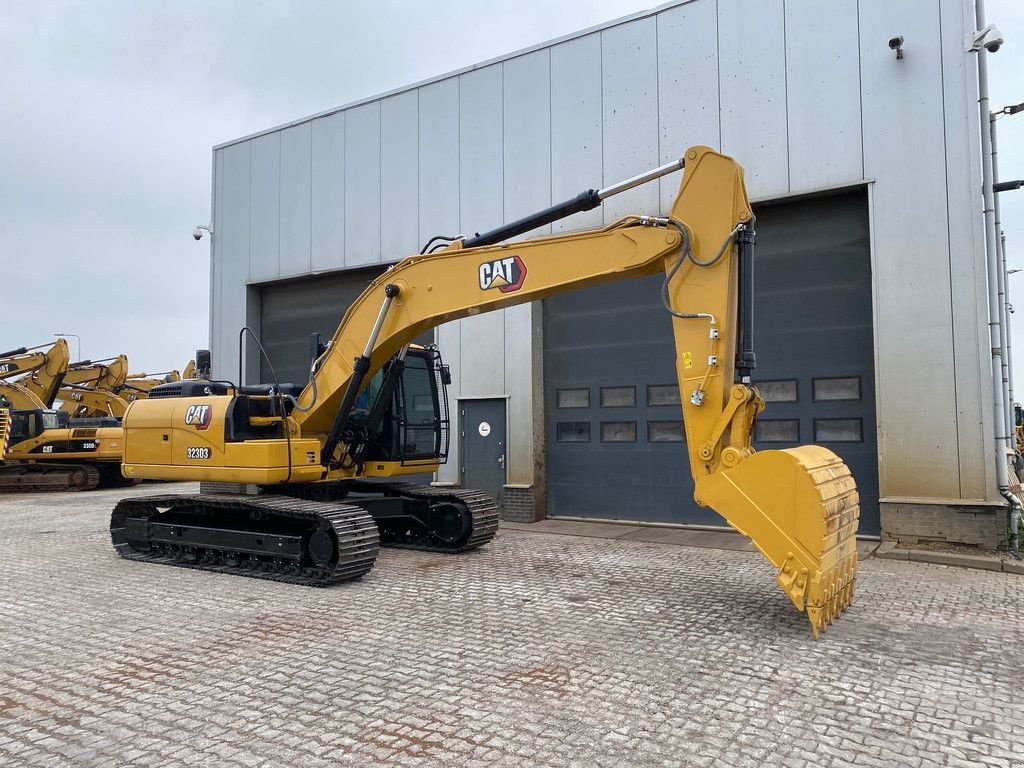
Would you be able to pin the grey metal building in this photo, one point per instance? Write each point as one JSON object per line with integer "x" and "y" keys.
{"x": 866, "y": 174}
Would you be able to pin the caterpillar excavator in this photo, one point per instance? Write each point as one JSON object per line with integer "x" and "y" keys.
{"x": 41, "y": 372}
{"x": 327, "y": 457}
{"x": 41, "y": 450}
{"x": 89, "y": 388}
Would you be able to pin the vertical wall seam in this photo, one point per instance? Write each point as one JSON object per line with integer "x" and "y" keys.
{"x": 860, "y": 93}
{"x": 600, "y": 68}
{"x": 419, "y": 233}
{"x": 551, "y": 140}
{"x": 344, "y": 189}
{"x": 309, "y": 254}
{"x": 785, "y": 97}
{"x": 380, "y": 181}
{"x": 458, "y": 198}
{"x": 718, "y": 69}
{"x": 657, "y": 97}
{"x": 949, "y": 259}
{"x": 280, "y": 182}
{"x": 504, "y": 215}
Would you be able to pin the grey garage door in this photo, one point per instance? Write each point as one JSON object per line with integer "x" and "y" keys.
{"x": 291, "y": 311}
{"x": 614, "y": 437}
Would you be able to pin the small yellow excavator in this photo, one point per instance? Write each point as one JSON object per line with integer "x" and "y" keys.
{"x": 326, "y": 456}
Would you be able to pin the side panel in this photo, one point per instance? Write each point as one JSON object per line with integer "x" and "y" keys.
{"x": 753, "y": 92}
{"x": 362, "y": 185}
{"x": 231, "y": 254}
{"x": 911, "y": 251}
{"x": 972, "y": 366}
{"x": 264, "y": 227}
{"x": 822, "y": 78}
{"x": 629, "y": 73}
{"x": 688, "y": 110}
{"x": 328, "y": 193}
{"x": 399, "y": 191}
{"x": 527, "y": 174}
{"x": 296, "y": 183}
{"x": 576, "y": 140}
{"x": 480, "y": 173}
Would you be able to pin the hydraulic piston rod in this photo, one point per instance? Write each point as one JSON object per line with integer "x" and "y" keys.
{"x": 584, "y": 201}
{"x": 362, "y": 365}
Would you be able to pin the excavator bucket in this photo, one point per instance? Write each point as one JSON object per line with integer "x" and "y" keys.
{"x": 800, "y": 508}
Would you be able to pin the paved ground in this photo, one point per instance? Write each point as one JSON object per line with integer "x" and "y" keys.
{"x": 541, "y": 649}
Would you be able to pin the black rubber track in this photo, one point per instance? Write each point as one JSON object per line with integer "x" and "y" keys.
{"x": 44, "y": 476}
{"x": 483, "y": 508}
{"x": 355, "y": 533}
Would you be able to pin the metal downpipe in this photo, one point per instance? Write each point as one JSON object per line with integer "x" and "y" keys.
{"x": 995, "y": 311}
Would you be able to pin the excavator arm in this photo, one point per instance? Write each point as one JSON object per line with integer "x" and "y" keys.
{"x": 799, "y": 506}
{"x": 83, "y": 402}
{"x": 39, "y": 371}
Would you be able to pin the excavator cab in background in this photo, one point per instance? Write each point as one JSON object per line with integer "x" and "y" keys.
{"x": 324, "y": 457}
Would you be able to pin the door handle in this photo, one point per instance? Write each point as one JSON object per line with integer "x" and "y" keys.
{"x": 501, "y": 460}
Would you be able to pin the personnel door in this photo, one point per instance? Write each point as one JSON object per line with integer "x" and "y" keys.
{"x": 482, "y": 447}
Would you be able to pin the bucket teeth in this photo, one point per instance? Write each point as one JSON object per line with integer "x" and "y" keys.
{"x": 821, "y": 578}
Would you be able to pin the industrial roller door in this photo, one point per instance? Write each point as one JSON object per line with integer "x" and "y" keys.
{"x": 291, "y": 311}
{"x": 612, "y": 417}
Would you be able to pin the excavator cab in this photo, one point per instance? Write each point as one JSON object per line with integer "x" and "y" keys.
{"x": 402, "y": 414}
{"x": 28, "y": 424}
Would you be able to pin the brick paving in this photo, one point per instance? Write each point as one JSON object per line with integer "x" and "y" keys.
{"x": 539, "y": 650}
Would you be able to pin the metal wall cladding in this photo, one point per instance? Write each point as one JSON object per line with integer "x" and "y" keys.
{"x": 806, "y": 95}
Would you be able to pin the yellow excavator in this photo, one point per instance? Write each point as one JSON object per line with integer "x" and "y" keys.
{"x": 89, "y": 388}
{"x": 40, "y": 369}
{"x": 326, "y": 456}
{"x": 41, "y": 450}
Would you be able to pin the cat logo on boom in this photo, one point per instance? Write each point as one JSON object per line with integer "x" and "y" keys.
{"x": 199, "y": 416}
{"x": 506, "y": 274}
{"x": 8, "y": 368}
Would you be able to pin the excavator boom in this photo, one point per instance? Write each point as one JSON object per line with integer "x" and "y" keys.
{"x": 39, "y": 371}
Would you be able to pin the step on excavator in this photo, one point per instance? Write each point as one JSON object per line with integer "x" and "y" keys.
{"x": 326, "y": 456}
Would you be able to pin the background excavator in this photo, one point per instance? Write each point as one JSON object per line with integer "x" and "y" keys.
{"x": 40, "y": 369}
{"x": 325, "y": 456}
{"x": 89, "y": 388}
{"x": 40, "y": 448}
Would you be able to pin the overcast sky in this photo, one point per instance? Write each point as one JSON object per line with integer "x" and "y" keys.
{"x": 110, "y": 109}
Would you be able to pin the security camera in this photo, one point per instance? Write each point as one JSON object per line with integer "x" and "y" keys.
{"x": 197, "y": 233}
{"x": 990, "y": 37}
{"x": 994, "y": 41}
{"x": 896, "y": 42}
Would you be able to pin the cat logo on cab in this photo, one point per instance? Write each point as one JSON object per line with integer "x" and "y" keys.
{"x": 199, "y": 416}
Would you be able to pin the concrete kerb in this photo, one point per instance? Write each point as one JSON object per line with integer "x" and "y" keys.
{"x": 728, "y": 540}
